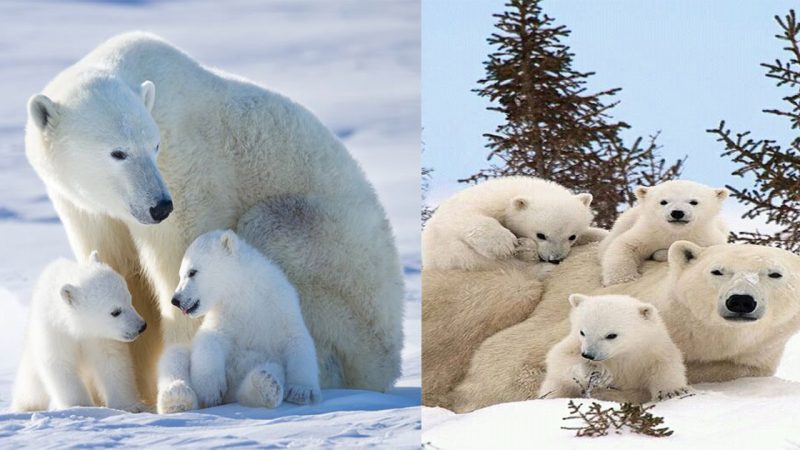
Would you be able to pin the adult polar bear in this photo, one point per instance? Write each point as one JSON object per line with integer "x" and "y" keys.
{"x": 729, "y": 308}
{"x": 115, "y": 156}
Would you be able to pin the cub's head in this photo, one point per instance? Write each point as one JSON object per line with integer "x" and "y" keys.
{"x": 97, "y": 146}
{"x": 611, "y": 325}
{"x": 678, "y": 205}
{"x": 99, "y": 304}
{"x": 209, "y": 272}
{"x": 554, "y": 223}
{"x": 748, "y": 287}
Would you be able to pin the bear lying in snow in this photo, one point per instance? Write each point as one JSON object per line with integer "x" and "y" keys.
{"x": 81, "y": 319}
{"x": 729, "y": 308}
{"x": 253, "y": 346}
{"x": 508, "y": 221}
{"x": 618, "y": 349}
{"x": 668, "y": 212}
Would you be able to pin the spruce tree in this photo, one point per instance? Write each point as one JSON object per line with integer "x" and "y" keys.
{"x": 553, "y": 127}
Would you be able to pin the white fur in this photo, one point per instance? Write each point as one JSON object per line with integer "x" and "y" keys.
{"x": 253, "y": 346}
{"x": 232, "y": 155}
{"x": 619, "y": 349}
{"x": 75, "y": 347}
{"x": 487, "y": 225}
{"x": 646, "y": 230}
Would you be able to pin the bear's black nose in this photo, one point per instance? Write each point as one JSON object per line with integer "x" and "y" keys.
{"x": 677, "y": 214}
{"x": 175, "y": 301}
{"x": 142, "y": 328}
{"x": 588, "y": 356}
{"x": 741, "y": 303}
{"x": 161, "y": 210}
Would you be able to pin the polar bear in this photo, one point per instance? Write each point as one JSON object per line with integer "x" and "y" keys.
{"x": 142, "y": 149}
{"x": 253, "y": 346}
{"x": 485, "y": 226}
{"x": 619, "y": 349}
{"x": 76, "y": 346}
{"x": 729, "y": 308}
{"x": 668, "y": 212}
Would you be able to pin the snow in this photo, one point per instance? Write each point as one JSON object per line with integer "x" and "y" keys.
{"x": 355, "y": 64}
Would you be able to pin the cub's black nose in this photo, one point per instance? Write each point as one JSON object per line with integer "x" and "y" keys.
{"x": 161, "y": 210}
{"x": 677, "y": 214}
{"x": 588, "y": 356}
{"x": 142, "y": 328}
{"x": 741, "y": 303}
{"x": 555, "y": 261}
{"x": 175, "y": 301}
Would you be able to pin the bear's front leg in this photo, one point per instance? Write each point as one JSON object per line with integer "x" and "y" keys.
{"x": 620, "y": 263}
{"x": 113, "y": 370}
{"x": 526, "y": 250}
{"x": 491, "y": 240}
{"x": 174, "y": 393}
{"x": 207, "y": 369}
{"x": 302, "y": 374}
{"x": 64, "y": 384}
{"x": 668, "y": 381}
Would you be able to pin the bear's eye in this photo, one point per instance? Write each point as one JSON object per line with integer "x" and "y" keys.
{"x": 716, "y": 272}
{"x": 775, "y": 275}
{"x": 582, "y": 333}
{"x": 541, "y": 236}
{"x": 693, "y": 202}
{"x": 119, "y": 155}
{"x": 191, "y": 273}
{"x": 116, "y": 312}
{"x": 612, "y": 336}
{"x": 663, "y": 202}
{"x": 573, "y": 237}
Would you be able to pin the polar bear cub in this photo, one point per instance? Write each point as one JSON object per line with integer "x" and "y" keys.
{"x": 253, "y": 346}
{"x": 506, "y": 221}
{"x": 618, "y": 349}
{"x": 81, "y": 318}
{"x": 668, "y": 212}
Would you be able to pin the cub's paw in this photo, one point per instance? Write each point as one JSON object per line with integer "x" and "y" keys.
{"x": 670, "y": 393}
{"x": 267, "y": 388}
{"x": 302, "y": 395}
{"x": 659, "y": 255}
{"x": 496, "y": 243}
{"x": 177, "y": 397}
{"x": 526, "y": 250}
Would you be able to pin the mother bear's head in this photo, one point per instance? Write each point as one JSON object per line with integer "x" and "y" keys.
{"x": 96, "y": 145}
{"x": 727, "y": 285}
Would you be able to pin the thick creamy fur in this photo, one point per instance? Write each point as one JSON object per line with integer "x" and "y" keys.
{"x": 509, "y": 366}
{"x": 76, "y": 351}
{"x": 230, "y": 155}
{"x": 618, "y": 348}
{"x": 253, "y": 346}
{"x": 501, "y": 222}
{"x": 648, "y": 229}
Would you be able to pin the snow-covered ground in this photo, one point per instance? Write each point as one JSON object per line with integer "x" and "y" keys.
{"x": 355, "y": 64}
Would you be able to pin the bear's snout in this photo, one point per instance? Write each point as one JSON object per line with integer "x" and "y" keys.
{"x": 176, "y": 301}
{"x": 162, "y": 210}
{"x": 588, "y": 356}
{"x": 741, "y": 303}
{"x": 677, "y": 214}
{"x": 143, "y": 327}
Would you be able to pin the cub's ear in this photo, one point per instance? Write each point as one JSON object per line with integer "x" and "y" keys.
{"x": 576, "y": 299}
{"x": 585, "y": 198}
{"x": 721, "y": 193}
{"x": 94, "y": 257}
{"x": 683, "y": 253}
{"x": 646, "y": 311}
{"x": 520, "y": 203}
{"x": 67, "y": 292}
{"x": 641, "y": 192}
{"x": 228, "y": 241}
{"x": 42, "y": 111}
{"x": 148, "y": 93}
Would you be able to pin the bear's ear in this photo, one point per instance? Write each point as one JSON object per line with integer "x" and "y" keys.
{"x": 585, "y": 198}
{"x": 94, "y": 257}
{"x": 42, "y": 111}
{"x": 67, "y": 293}
{"x": 228, "y": 241}
{"x": 683, "y": 253}
{"x": 576, "y": 299}
{"x": 148, "y": 93}
{"x": 721, "y": 193}
{"x": 640, "y": 192}
{"x": 646, "y": 311}
{"x": 520, "y": 203}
